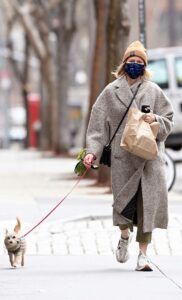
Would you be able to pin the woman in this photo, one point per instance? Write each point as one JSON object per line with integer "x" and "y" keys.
{"x": 138, "y": 185}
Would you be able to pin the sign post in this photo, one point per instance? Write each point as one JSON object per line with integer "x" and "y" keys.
{"x": 142, "y": 23}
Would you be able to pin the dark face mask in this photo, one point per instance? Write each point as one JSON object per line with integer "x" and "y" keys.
{"x": 134, "y": 70}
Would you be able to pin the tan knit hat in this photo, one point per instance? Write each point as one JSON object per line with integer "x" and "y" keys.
{"x": 136, "y": 49}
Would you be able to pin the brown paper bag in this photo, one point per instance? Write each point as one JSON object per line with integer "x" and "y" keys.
{"x": 139, "y": 137}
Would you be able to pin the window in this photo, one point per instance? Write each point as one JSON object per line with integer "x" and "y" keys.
{"x": 178, "y": 71}
{"x": 158, "y": 69}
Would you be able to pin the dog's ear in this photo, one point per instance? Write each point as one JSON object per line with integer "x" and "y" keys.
{"x": 6, "y": 232}
{"x": 17, "y": 226}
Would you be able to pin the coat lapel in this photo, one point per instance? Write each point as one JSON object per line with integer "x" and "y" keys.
{"x": 123, "y": 91}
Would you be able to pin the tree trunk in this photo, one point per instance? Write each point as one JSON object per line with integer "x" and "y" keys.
{"x": 65, "y": 34}
{"x": 98, "y": 76}
{"x": 25, "y": 89}
{"x": 118, "y": 31}
{"x": 50, "y": 126}
{"x": 63, "y": 84}
{"x": 21, "y": 75}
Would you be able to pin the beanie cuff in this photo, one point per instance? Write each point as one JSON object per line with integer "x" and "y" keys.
{"x": 136, "y": 49}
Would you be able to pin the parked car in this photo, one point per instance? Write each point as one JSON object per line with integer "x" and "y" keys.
{"x": 166, "y": 67}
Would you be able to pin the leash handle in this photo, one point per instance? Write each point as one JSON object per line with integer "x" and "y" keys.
{"x": 55, "y": 207}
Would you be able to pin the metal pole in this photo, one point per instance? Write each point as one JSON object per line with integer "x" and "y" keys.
{"x": 171, "y": 20}
{"x": 142, "y": 23}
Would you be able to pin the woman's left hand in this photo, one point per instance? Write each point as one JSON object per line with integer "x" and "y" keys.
{"x": 149, "y": 118}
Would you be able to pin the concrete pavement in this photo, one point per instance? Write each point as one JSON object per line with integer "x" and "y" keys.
{"x": 30, "y": 186}
{"x": 89, "y": 277}
{"x": 71, "y": 255}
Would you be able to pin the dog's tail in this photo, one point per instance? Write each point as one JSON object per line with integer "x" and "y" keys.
{"x": 18, "y": 225}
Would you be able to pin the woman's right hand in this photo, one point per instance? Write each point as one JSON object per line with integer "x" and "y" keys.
{"x": 88, "y": 160}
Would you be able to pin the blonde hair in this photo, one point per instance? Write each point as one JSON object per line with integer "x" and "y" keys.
{"x": 120, "y": 71}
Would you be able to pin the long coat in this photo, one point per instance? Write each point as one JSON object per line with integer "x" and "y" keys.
{"x": 128, "y": 170}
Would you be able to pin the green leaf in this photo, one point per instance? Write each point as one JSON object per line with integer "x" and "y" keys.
{"x": 80, "y": 168}
{"x": 82, "y": 154}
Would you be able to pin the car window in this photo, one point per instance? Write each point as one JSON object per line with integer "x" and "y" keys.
{"x": 158, "y": 69}
{"x": 178, "y": 71}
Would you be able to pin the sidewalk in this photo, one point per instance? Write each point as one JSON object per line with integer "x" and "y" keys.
{"x": 89, "y": 277}
{"x": 31, "y": 185}
{"x": 71, "y": 255}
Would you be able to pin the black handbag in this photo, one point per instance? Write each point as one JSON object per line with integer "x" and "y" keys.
{"x": 106, "y": 153}
{"x": 106, "y": 156}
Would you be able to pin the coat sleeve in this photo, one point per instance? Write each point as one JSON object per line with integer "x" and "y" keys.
{"x": 164, "y": 115}
{"x": 97, "y": 135}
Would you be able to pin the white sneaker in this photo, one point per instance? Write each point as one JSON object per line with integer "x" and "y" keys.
{"x": 143, "y": 263}
{"x": 122, "y": 254}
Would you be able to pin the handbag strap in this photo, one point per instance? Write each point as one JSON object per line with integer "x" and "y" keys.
{"x": 124, "y": 114}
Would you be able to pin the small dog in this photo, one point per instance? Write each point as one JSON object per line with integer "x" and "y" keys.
{"x": 15, "y": 245}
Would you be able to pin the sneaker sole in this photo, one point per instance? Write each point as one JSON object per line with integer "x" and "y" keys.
{"x": 121, "y": 261}
{"x": 147, "y": 268}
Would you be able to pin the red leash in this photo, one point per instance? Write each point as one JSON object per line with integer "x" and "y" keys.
{"x": 54, "y": 208}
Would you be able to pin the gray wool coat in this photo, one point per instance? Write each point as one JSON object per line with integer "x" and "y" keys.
{"x": 127, "y": 170}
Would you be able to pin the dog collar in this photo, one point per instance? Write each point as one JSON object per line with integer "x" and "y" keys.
{"x": 15, "y": 251}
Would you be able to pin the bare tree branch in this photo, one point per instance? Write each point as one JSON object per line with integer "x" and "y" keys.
{"x": 24, "y": 17}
